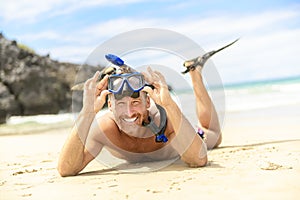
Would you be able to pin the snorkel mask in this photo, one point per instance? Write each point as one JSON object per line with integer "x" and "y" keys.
{"x": 129, "y": 84}
{"x": 126, "y": 82}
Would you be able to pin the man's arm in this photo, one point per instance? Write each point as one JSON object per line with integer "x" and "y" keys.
{"x": 192, "y": 148}
{"x": 187, "y": 143}
{"x": 74, "y": 156}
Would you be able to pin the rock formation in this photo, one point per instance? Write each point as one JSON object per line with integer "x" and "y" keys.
{"x": 31, "y": 84}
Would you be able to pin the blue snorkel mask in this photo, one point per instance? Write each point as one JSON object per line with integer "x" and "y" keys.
{"x": 129, "y": 84}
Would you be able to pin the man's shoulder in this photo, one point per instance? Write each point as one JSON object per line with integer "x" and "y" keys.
{"x": 103, "y": 124}
{"x": 106, "y": 117}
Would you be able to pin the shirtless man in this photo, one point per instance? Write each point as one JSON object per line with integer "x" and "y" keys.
{"x": 123, "y": 129}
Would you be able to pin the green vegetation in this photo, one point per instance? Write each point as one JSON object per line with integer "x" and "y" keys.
{"x": 26, "y": 48}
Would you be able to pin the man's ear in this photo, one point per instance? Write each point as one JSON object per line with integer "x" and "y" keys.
{"x": 148, "y": 101}
{"x": 109, "y": 104}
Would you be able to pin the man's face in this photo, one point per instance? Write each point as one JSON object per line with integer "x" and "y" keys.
{"x": 130, "y": 111}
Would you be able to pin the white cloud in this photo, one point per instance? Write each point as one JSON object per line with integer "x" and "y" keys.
{"x": 34, "y": 10}
{"x": 233, "y": 25}
{"x": 202, "y": 30}
{"x": 76, "y": 5}
{"x": 179, "y": 6}
{"x": 44, "y": 35}
{"x": 28, "y": 11}
{"x": 262, "y": 56}
{"x": 68, "y": 53}
{"x": 267, "y": 42}
{"x": 113, "y": 27}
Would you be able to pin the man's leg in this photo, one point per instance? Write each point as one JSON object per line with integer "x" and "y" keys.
{"x": 206, "y": 112}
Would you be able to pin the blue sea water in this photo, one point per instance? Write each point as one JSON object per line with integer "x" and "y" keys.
{"x": 230, "y": 98}
{"x": 262, "y": 94}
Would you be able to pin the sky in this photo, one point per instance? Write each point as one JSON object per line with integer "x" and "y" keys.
{"x": 69, "y": 30}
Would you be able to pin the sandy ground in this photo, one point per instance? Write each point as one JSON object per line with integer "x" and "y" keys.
{"x": 258, "y": 159}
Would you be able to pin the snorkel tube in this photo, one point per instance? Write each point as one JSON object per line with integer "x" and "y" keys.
{"x": 114, "y": 59}
{"x": 158, "y": 131}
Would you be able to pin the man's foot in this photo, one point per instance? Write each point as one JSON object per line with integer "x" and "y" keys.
{"x": 199, "y": 61}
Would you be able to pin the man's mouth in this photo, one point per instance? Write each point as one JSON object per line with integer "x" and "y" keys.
{"x": 130, "y": 120}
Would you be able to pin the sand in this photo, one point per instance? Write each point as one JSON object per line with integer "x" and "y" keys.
{"x": 259, "y": 158}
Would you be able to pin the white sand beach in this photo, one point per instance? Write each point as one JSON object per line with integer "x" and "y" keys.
{"x": 259, "y": 158}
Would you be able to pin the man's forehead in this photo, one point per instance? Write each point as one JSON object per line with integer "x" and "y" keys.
{"x": 129, "y": 98}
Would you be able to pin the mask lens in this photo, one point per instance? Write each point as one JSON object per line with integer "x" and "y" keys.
{"x": 136, "y": 82}
{"x": 116, "y": 83}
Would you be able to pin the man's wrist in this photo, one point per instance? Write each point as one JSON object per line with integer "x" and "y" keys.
{"x": 170, "y": 104}
{"x": 87, "y": 112}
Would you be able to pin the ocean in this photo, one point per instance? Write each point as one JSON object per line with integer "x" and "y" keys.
{"x": 248, "y": 97}
{"x": 262, "y": 94}
{"x": 231, "y": 98}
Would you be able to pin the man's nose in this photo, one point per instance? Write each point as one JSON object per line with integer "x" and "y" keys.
{"x": 130, "y": 109}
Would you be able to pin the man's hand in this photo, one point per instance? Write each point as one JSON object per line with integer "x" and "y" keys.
{"x": 94, "y": 94}
{"x": 160, "y": 94}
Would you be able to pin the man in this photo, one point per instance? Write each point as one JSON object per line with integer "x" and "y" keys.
{"x": 142, "y": 123}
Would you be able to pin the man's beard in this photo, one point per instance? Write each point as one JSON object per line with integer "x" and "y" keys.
{"x": 130, "y": 128}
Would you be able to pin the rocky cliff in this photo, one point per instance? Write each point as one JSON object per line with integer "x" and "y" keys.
{"x": 31, "y": 84}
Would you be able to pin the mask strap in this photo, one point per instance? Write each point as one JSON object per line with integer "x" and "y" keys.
{"x": 158, "y": 131}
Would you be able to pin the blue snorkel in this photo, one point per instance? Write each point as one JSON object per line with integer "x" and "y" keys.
{"x": 114, "y": 59}
{"x": 157, "y": 131}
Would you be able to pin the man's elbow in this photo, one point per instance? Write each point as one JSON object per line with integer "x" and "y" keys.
{"x": 199, "y": 162}
{"x": 203, "y": 162}
{"x": 64, "y": 171}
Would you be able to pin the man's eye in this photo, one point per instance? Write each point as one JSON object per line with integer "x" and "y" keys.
{"x": 135, "y": 102}
{"x": 120, "y": 103}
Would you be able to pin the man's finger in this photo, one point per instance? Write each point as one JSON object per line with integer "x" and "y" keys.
{"x": 152, "y": 74}
{"x": 103, "y": 94}
{"x": 90, "y": 83}
{"x": 103, "y": 83}
{"x": 156, "y": 84}
{"x": 147, "y": 78}
{"x": 96, "y": 76}
{"x": 149, "y": 69}
{"x": 161, "y": 77}
{"x": 148, "y": 90}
